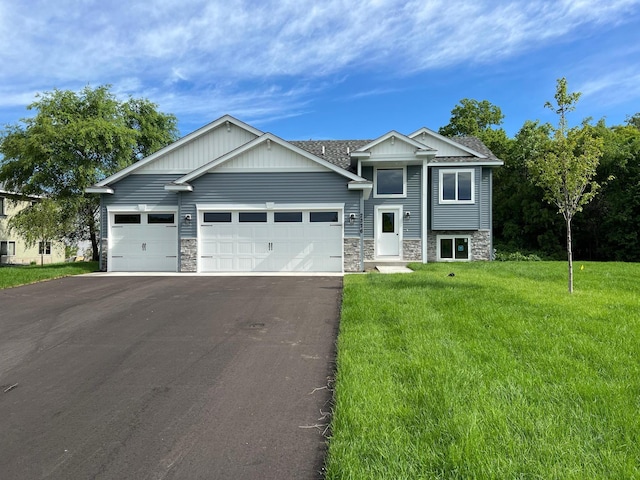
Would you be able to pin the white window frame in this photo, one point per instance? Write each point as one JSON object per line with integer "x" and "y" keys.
{"x": 43, "y": 247}
{"x": 390, "y": 195}
{"x": 453, "y": 237}
{"x": 8, "y": 244}
{"x": 456, "y": 172}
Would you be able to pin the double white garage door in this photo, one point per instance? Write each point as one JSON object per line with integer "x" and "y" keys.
{"x": 292, "y": 240}
{"x": 270, "y": 241}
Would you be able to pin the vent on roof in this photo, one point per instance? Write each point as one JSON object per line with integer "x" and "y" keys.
{"x": 348, "y": 150}
{"x": 322, "y": 149}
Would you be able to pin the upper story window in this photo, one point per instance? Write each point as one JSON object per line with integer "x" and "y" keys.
{"x": 390, "y": 182}
{"x": 2, "y": 212}
{"x": 456, "y": 186}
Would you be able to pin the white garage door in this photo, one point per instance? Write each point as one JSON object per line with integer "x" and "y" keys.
{"x": 143, "y": 242}
{"x": 270, "y": 241}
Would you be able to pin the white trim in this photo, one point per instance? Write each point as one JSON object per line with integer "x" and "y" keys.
{"x": 390, "y": 195}
{"x": 377, "y": 230}
{"x": 386, "y": 136}
{"x": 177, "y": 144}
{"x": 267, "y": 137}
{"x": 172, "y": 187}
{"x": 268, "y": 206}
{"x": 450, "y": 141}
{"x": 425, "y": 209}
{"x": 141, "y": 208}
{"x": 457, "y": 171}
{"x": 99, "y": 190}
{"x": 463, "y": 163}
{"x": 453, "y": 237}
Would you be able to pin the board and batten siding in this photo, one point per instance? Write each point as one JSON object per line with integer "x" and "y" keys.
{"x": 138, "y": 190}
{"x": 199, "y": 151}
{"x": 258, "y": 188}
{"x": 412, "y": 228}
{"x": 476, "y": 216}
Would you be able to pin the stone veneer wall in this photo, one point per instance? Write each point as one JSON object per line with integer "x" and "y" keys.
{"x": 104, "y": 247}
{"x": 369, "y": 249}
{"x": 480, "y": 243}
{"x": 352, "y": 255}
{"x": 188, "y": 254}
{"x": 412, "y": 250}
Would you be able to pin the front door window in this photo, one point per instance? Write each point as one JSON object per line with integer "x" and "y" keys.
{"x": 388, "y": 222}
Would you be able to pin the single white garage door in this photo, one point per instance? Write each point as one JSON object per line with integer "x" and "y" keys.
{"x": 143, "y": 242}
{"x": 270, "y": 241}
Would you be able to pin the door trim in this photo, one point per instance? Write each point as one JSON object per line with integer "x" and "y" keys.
{"x": 379, "y": 210}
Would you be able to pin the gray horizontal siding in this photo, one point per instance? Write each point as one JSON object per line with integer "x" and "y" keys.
{"x": 259, "y": 188}
{"x": 460, "y": 217}
{"x": 412, "y": 228}
{"x": 135, "y": 190}
{"x": 485, "y": 199}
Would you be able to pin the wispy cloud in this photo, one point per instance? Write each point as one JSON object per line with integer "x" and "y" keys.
{"x": 194, "y": 56}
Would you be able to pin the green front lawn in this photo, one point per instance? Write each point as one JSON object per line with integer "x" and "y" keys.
{"x": 14, "y": 276}
{"x": 496, "y": 372}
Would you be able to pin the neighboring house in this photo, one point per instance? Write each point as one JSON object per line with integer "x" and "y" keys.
{"x": 230, "y": 198}
{"x": 13, "y": 249}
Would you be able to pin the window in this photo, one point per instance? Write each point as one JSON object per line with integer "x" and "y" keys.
{"x": 456, "y": 186}
{"x": 323, "y": 217}
{"x": 7, "y": 248}
{"x": 2, "y": 212}
{"x": 44, "y": 248}
{"x": 252, "y": 217}
{"x": 452, "y": 248}
{"x": 289, "y": 217}
{"x": 390, "y": 182}
{"x": 160, "y": 218}
{"x": 126, "y": 218}
{"x": 217, "y": 217}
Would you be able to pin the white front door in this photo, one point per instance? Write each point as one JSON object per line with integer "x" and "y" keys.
{"x": 388, "y": 231}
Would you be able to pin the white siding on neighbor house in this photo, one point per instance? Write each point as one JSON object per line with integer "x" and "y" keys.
{"x": 444, "y": 148}
{"x": 200, "y": 151}
{"x": 393, "y": 147}
{"x": 268, "y": 158}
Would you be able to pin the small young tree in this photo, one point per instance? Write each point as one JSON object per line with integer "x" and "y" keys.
{"x": 39, "y": 223}
{"x": 567, "y": 169}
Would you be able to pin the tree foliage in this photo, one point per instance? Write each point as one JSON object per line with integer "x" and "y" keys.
{"x": 42, "y": 221}
{"x": 566, "y": 170}
{"x": 76, "y": 139}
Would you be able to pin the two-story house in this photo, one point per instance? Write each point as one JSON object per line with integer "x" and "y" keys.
{"x": 230, "y": 198}
{"x": 13, "y": 249}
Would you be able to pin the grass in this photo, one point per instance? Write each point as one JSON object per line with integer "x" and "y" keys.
{"x": 13, "y": 276}
{"x": 496, "y": 372}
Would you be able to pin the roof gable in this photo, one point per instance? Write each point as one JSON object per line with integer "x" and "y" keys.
{"x": 445, "y": 146}
{"x": 193, "y": 150}
{"x": 390, "y": 144}
{"x": 267, "y": 153}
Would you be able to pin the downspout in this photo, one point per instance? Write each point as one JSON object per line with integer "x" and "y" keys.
{"x": 179, "y": 231}
{"x": 425, "y": 209}
{"x": 361, "y": 217}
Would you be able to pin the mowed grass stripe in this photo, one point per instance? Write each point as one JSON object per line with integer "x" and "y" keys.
{"x": 13, "y": 276}
{"x": 496, "y": 372}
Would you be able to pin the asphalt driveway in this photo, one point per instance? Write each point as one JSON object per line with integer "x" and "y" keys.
{"x": 166, "y": 377}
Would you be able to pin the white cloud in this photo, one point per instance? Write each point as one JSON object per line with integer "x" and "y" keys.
{"x": 216, "y": 46}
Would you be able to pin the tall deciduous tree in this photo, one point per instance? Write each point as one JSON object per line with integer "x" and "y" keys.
{"x": 567, "y": 169}
{"x": 74, "y": 140}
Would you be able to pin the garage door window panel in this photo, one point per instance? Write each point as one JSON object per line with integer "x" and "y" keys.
{"x": 126, "y": 218}
{"x": 252, "y": 217}
{"x": 287, "y": 217}
{"x": 161, "y": 218}
{"x": 323, "y": 217}
{"x": 217, "y": 217}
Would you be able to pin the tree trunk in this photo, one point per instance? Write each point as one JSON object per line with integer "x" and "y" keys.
{"x": 95, "y": 251}
{"x": 570, "y": 254}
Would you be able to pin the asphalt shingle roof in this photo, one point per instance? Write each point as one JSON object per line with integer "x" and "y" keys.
{"x": 338, "y": 151}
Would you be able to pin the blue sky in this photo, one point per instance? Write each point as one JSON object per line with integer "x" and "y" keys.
{"x": 331, "y": 69}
